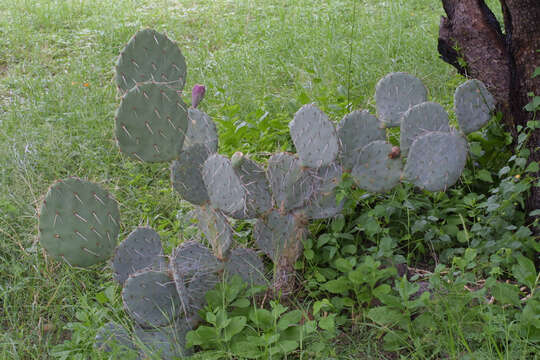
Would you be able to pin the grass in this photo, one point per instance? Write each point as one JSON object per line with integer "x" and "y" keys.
{"x": 260, "y": 61}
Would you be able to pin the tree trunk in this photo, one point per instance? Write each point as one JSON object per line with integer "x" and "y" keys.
{"x": 471, "y": 40}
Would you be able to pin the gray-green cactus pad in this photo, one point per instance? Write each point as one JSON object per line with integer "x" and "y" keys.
{"x": 376, "y": 170}
{"x": 256, "y": 186}
{"x": 150, "y": 56}
{"x": 186, "y": 174}
{"x": 224, "y": 187}
{"x": 323, "y": 204}
{"x": 151, "y": 299}
{"x": 169, "y": 342}
{"x": 473, "y": 105}
{"x": 314, "y": 137}
{"x": 418, "y": 120}
{"x": 114, "y": 338}
{"x": 436, "y": 160}
{"x": 291, "y": 184}
{"x": 151, "y": 123}
{"x": 217, "y": 230}
{"x": 140, "y": 250}
{"x": 246, "y": 264}
{"x": 78, "y": 222}
{"x": 195, "y": 271}
{"x": 355, "y": 131}
{"x": 279, "y": 235}
{"x": 396, "y": 93}
{"x": 201, "y": 130}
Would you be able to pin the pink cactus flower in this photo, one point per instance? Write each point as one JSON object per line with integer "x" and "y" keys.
{"x": 197, "y": 94}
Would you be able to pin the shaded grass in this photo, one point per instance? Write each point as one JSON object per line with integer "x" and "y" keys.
{"x": 260, "y": 61}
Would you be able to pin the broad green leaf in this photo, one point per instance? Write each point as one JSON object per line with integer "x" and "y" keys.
{"x": 385, "y": 315}
{"x": 262, "y": 318}
{"x": 525, "y": 271}
{"x": 327, "y": 323}
{"x": 236, "y": 325}
{"x": 338, "y": 286}
{"x": 484, "y": 175}
{"x": 289, "y": 319}
{"x": 506, "y": 293}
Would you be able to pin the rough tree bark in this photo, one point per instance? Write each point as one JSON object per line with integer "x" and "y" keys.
{"x": 471, "y": 40}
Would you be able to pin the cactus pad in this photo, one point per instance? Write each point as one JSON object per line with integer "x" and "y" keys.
{"x": 113, "y": 337}
{"x": 246, "y": 264}
{"x": 186, "y": 174}
{"x": 377, "y": 170}
{"x": 78, "y": 222}
{"x": 323, "y": 204}
{"x": 254, "y": 181}
{"x": 195, "y": 271}
{"x": 151, "y": 123}
{"x": 355, "y": 131}
{"x": 279, "y": 235}
{"x": 291, "y": 184}
{"x": 150, "y": 298}
{"x": 473, "y": 105}
{"x": 168, "y": 342}
{"x": 140, "y": 250}
{"x": 201, "y": 130}
{"x": 396, "y": 93}
{"x": 436, "y": 160}
{"x": 150, "y": 56}
{"x": 224, "y": 187}
{"x": 418, "y": 120}
{"x": 314, "y": 137}
{"x": 215, "y": 227}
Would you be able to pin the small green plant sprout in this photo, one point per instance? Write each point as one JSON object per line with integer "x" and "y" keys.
{"x": 79, "y": 222}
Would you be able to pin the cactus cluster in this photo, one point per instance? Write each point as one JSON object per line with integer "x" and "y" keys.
{"x": 79, "y": 221}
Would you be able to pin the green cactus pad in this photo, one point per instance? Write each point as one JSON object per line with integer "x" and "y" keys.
{"x": 150, "y": 56}
{"x": 151, "y": 299}
{"x": 376, "y": 170}
{"x": 246, "y": 264}
{"x": 395, "y": 94}
{"x": 291, "y": 184}
{"x": 224, "y": 187}
{"x": 151, "y": 123}
{"x": 323, "y": 204}
{"x": 436, "y": 160}
{"x": 279, "y": 235}
{"x": 186, "y": 174}
{"x": 314, "y": 137}
{"x": 113, "y": 337}
{"x": 195, "y": 271}
{"x": 215, "y": 227}
{"x": 254, "y": 181}
{"x": 418, "y": 120}
{"x": 355, "y": 131}
{"x": 169, "y": 342}
{"x": 473, "y": 105}
{"x": 140, "y": 250}
{"x": 78, "y": 222}
{"x": 201, "y": 130}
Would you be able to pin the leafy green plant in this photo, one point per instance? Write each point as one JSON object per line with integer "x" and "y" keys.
{"x": 235, "y": 328}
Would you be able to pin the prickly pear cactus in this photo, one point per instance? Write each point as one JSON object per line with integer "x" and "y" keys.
{"x": 78, "y": 222}
{"x": 356, "y": 130}
{"x": 420, "y": 119}
{"x": 150, "y": 56}
{"x": 436, "y": 160}
{"x": 151, "y": 123}
{"x": 314, "y": 137}
{"x": 395, "y": 94}
{"x": 473, "y": 105}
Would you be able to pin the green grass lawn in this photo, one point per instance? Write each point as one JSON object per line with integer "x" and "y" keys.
{"x": 260, "y": 61}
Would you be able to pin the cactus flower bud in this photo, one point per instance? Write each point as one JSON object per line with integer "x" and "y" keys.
{"x": 197, "y": 95}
